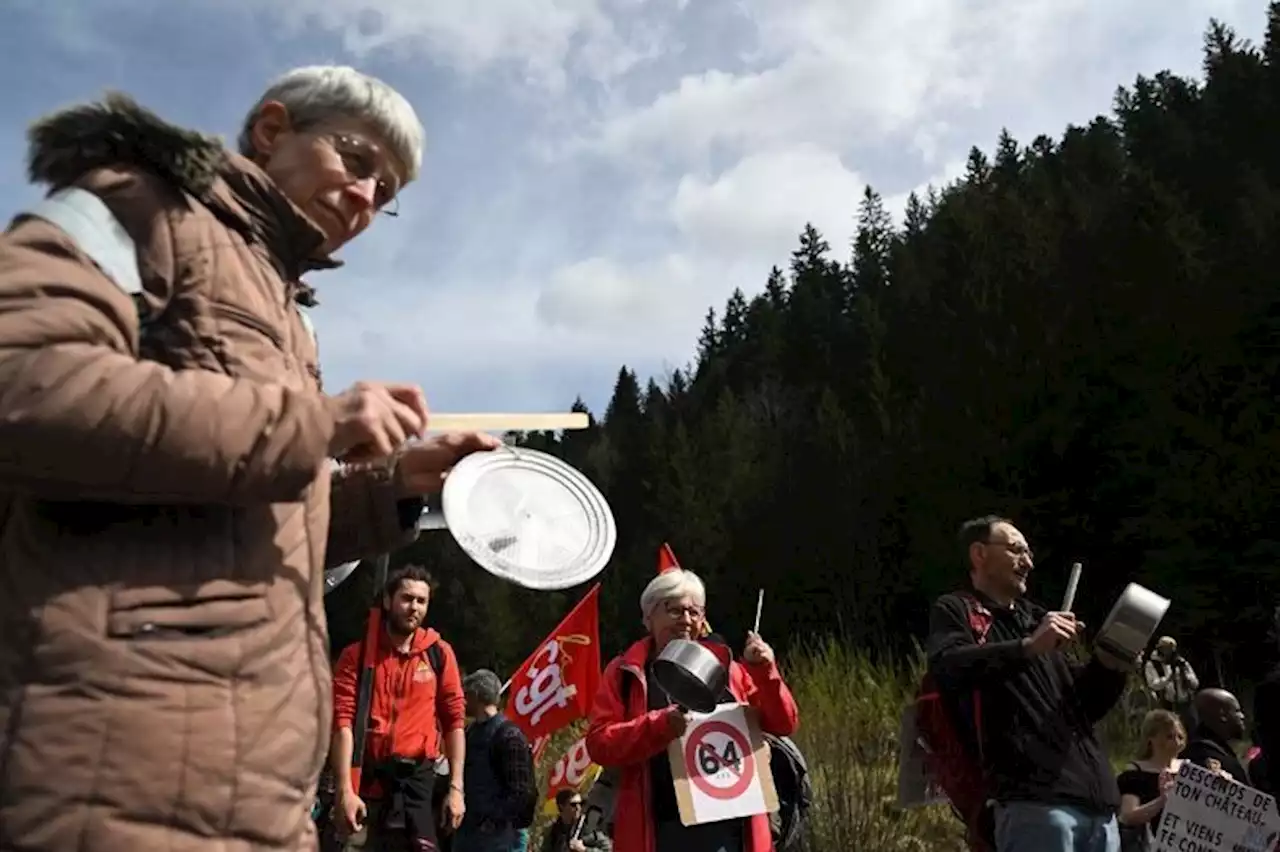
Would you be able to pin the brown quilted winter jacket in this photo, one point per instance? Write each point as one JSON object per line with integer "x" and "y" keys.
{"x": 165, "y": 502}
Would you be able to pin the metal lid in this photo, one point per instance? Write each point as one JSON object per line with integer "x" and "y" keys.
{"x": 529, "y": 517}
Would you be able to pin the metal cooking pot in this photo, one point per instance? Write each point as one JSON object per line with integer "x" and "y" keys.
{"x": 691, "y": 675}
{"x": 1133, "y": 621}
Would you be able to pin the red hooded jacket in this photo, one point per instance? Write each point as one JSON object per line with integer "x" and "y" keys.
{"x": 627, "y": 737}
{"x": 410, "y": 707}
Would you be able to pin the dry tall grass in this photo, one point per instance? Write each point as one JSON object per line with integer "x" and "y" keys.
{"x": 850, "y": 704}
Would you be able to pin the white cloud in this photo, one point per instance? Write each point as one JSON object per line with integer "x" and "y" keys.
{"x": 603, "y": 171}
{"x": 546, "y": 39}
{"x": 894, "y": 92}
{"x": 598, "y": 294}
{"x": 756, "y": 207}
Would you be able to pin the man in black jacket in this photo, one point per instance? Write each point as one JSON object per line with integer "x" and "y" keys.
{"x": 502, "y": 792}
{"x": 1022, "y": 707}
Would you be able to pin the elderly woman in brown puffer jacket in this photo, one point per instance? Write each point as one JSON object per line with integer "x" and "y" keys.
{"x": 168, "y": 496}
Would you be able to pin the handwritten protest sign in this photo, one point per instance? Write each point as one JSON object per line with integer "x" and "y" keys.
{"x": 1208, "y": 813}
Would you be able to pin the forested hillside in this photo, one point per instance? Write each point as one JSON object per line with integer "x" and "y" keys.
{"x": 1081, "y": 333}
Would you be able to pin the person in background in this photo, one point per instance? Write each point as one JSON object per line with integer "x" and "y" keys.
{"x": 568, "y": 833}
{"x": 439, "y": 792}
{"x": 1264, "y": 769}
{"x": 499, "y": 776}
{"x": 417, "y": 701}
{"x": 633, "y": 720}
{"x": 1052, "y": 784}
{"x": 1146, "y": 783}
{"x": 1221, "y": 726}
{"x": 167, "y": 480}
{"x": 1170, "y": 677}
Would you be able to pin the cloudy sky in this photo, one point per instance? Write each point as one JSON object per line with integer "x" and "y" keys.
{"x": 600, "y": 172}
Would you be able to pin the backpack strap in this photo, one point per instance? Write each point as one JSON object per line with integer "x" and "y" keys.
{"x": 435, "y": 656}
{"x": 89, "y": 222}
{"x": 980, "y": 620}
{"x": 309, "y": 326}
{"x": 96, "y": 231}
{"x": 979, "y": 617}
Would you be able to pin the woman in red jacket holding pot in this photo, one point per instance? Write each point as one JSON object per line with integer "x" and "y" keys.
{"x": 633, "y": 720}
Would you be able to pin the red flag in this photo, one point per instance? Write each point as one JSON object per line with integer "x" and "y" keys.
{"x": 574, "y": 771}
{"x": 540, "y": 745}
{"x": 556, "y": 685}
{"x": 667, "y": 559}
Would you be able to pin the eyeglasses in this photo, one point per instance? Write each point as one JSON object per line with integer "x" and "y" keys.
{"x": 1014, "y": 550}
{"x": 363, "y": 160}
{"x": 694, "y": 612}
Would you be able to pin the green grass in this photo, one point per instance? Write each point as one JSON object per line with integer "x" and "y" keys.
{"x": 850, "y": 704}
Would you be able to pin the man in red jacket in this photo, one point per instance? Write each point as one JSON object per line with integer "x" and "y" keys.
{"x": 417, "y": 701}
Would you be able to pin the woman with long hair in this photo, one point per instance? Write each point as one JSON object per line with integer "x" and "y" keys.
{"x": 1148, "y": 780}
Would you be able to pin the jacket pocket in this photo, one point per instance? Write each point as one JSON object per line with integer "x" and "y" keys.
{"x": 208, "y": 617}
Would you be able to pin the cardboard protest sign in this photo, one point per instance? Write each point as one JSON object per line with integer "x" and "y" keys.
{"x": 1207, "y": 813}
{"x": 720, "y": 767}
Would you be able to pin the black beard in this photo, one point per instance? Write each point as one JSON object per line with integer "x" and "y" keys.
{"x": 400, "y": 626}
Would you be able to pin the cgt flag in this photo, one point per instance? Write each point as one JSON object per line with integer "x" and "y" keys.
{"x": 556, "y": 685}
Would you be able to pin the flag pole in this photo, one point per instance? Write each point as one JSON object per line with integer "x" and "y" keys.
{"x": 369, "y": 657}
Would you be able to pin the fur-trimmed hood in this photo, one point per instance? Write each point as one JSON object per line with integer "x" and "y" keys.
{"x": 65, "y": 145}
{"x": 115, "y": 131}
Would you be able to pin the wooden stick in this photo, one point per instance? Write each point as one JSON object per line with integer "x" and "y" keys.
{"x": 507, "y": 422}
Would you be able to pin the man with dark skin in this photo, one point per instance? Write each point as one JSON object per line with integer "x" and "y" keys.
{"x": 1221, "y": 725}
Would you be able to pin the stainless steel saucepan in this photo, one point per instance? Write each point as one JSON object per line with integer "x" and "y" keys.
{"x": 691, "y": 675}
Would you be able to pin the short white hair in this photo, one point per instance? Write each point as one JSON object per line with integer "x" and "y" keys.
{"x": 675, "y": 583}
{"x": 317, "y": 93}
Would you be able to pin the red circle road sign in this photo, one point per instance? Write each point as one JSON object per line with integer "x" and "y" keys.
{"x": 699, "y": 750}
